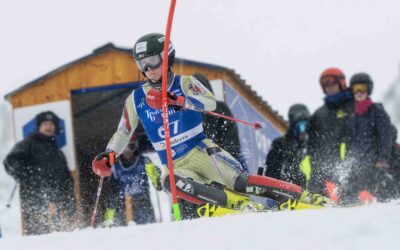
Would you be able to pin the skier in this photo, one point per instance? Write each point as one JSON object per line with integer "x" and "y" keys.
{"x": 370, "y": 144}
{"x": 328, "y": 136}
{"x": 129, "y": 179}
{"x": 289, "y": 158}
{"x": 45, "y": 182}
{"x": 202, "y": 169}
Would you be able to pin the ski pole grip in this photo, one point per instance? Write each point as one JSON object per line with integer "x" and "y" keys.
{"x": 112, "y": 158}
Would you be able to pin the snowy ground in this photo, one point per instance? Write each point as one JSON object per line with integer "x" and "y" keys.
{"x": 375, "y": 226}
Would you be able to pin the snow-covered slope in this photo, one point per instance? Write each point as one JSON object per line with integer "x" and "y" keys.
{"x": 375, "y": 226}
{"x": 9, "y": 218}
{"x": 391, "y": 101}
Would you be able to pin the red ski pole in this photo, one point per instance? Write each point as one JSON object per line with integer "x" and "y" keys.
{"x": 154, "y": 95}
{"x": 256, "y": 125}
{"x": 175, "y": 205}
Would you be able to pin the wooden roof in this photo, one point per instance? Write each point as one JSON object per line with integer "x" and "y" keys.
{"x": 223, "y": 73}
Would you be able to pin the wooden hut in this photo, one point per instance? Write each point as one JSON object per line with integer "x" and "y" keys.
{"x": 93, "y": 89}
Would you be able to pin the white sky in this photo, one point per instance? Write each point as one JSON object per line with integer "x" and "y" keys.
{"x": 278, "y": 47}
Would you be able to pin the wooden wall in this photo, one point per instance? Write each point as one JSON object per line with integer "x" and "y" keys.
{"x": 107, "y": 68}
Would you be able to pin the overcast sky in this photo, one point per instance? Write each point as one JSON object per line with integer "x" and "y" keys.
{"x": 278, "y": 47}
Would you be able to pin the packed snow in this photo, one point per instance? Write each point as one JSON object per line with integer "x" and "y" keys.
{"x": 375, "y": 226}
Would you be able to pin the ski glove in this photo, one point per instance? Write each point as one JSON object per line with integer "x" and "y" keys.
{"x": 154, "y": 99}
{"x": 103, "y": 162}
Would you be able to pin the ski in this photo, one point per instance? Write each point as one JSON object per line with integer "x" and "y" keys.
{"x": 214, "y": 210}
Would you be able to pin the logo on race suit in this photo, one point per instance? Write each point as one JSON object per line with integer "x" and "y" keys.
{"x": 157, "y": 115}
{"x": 177, "y": 92}
{"x": 61, "y": 138}
{"x": 196, "y": 89}
{"x": 142, "y": 103}
{"x": 123, "y": 125}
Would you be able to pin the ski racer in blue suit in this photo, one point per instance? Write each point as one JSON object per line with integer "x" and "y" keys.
{"x": 198, "y": 162}
{"x": 129, "y": 179}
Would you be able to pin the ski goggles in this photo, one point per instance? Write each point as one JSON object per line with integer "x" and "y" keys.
{"x": 301, "y": 127}
{"x": 359, "y": 88}
{"x": 151, "y": 62}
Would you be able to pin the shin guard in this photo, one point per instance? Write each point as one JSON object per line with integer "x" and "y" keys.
{"x": 267, "y": 187}
{"x": 196, "y": 192}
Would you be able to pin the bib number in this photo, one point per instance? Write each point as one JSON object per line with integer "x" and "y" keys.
{"x": 174, "y": 129}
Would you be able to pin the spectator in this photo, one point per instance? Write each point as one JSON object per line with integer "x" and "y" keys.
{"x": 289, "y": 157}
{"x": 46, "y": 184}
{"x": 223, "y": 132}
{"x": 129, "y": 179}
{"x": 370, "y": 145}
{"x": 328, "y": 130}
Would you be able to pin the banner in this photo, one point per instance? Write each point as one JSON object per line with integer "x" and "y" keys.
{"x": 254, "y": 144}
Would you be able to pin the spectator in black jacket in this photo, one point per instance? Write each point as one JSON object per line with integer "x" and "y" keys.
{"x": 223, "y": 132}
{"x": 371, "y": 142}
{"x": 328, "y": 131}
{"x": 289, "y": 157}
{"x": 46, "y": 184}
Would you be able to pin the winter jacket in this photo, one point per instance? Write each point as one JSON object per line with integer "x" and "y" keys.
{"x": 285, "y": 158}
{"x": 223, "y": 132}
{"x": 41, "y": 170}
{"x": 370, "y": 139}
{"x": 370, "y": 136}
{"x": 327, "y": 139}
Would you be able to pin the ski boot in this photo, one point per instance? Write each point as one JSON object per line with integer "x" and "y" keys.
{"x": 241, "y": 202}
{"x": 316, "y": 199}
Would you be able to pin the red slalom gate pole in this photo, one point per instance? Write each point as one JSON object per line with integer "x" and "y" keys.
{"x": 175, "y": 205}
